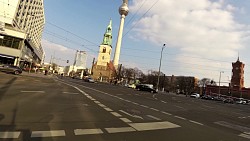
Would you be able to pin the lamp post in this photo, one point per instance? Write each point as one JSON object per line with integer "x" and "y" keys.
{"x": 158, "y": 80}
{"x": 220, "y": 79}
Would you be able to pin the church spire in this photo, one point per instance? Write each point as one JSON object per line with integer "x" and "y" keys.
{"x": 238, "y": 57}
{"x": 107, "y": 39}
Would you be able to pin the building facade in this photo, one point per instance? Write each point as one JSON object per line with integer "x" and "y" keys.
{"x": 22, "y": 23}
{"x": 103, "y": 69}
{"x": 80, "y": 59}
{"x": 236, "y": 88}
{"x": 238, "y": 74}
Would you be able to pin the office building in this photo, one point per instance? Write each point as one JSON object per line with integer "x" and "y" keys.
{"x": 21, "y": 27}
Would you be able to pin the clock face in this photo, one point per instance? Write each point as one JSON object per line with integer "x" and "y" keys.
{"x": 236, "y": 68}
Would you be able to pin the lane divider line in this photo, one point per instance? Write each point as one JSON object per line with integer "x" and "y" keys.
{"x": 196, "y": 122}
{"x": 116, "y": 114}
{"x": 166, "y": 113}
{"x": 125, "y": 120}
{"x": 153, "y": 117}
{"x": 180, "y": 117}
{"x": 108, "y": 109}
{"x": 134, "y": 116}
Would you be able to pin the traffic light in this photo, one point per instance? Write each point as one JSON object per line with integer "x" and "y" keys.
{"x": 67, "y": 61}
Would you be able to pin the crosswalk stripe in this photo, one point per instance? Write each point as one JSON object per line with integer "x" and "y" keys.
{"x": 153, "y": 125}
{"x": 120, "y": 129}
{"x": 52, "y": 133}
{"x": 5, "y": 135}
{"x": 87, "y": 131}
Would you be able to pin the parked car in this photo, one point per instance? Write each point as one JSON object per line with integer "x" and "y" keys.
{"x": 195, "y": 95}
{"x": 228, "y": 100}
{"x": 241, "y": 101}
{"x": 133, "y": 86}
{"x": 89, "y": 79}
{"x": 11, "y": 69}
{"x": 142, "y": 87}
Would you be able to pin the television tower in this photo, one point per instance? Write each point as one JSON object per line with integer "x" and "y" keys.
{"x": 123, "y": 10}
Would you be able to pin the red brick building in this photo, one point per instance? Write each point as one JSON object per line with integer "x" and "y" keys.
{"x": 236, "y": 88}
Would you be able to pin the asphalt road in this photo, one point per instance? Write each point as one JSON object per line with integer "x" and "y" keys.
{"x": 61, "y": 109}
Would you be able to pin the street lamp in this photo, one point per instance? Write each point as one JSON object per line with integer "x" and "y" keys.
{"x": 158, "y": 80}
{"x": 220, "y": 79}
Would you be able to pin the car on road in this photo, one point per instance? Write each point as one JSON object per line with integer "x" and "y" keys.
{"x": 143, "y": 87}
{"x": 195, "y": 95}
{"x": 10, "y": 69}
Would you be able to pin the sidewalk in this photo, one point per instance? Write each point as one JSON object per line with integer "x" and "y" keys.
{"x": 41, "y": 75}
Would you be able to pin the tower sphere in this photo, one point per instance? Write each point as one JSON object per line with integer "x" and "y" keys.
{"x": 123, "y": 10}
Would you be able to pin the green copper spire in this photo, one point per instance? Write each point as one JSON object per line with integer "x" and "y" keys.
{"x": 107, "y": 39}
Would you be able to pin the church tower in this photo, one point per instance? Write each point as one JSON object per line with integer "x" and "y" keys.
{"x": 237, "y": 74}
{"x": 103, "y": 69}
{"x": 105, "y": 47}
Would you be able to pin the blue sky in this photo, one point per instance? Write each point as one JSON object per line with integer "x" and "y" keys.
{"x": 202, "y": 37}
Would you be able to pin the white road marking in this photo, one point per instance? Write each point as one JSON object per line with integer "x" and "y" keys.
{"x": 179, "y": 107}
{"x": 108, "y": 109}
{"x": 89, "y": 97}
{"x": 97, "y": 102}
{"x": 247, "y": 133}
{"x": 244, "y": 135}
{"x": 233, "y": 126}
{"x": 70, "y": 93}
{"x": 196, "y": 122}
{"x": 134, "y": 116}
{"x": 166, "y": 113}
{"x": 180, "y": 117}
{"x": 116, "y": 114}
{"x": 137, "y": 94}
{"x": 102, "y": 105}
{"x": 120, "y": 129}
{"x": 32, "y": 92}
{"x": 53, "y": 133}
{"x": 125, "y": 120}
{"x": 153, "y": 117}
{"x": 135, "y": 103}
{"x": 5, "y": 135}
{"x": 154, "y": 109}
{"x": 87, "y": 131}
{"x": 163, "y": 101}
{"x": 92, "y": 99}
{"x": 144, "y": 106}
{"x": 153, "y": 126}
{"x": 207, "y": 106}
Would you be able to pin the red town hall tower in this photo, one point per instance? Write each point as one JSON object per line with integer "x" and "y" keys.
{"x": 237, "y": 79}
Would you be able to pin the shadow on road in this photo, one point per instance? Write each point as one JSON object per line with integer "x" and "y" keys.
{"x": 6, "y": 86}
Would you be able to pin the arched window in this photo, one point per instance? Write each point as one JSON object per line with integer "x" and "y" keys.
{"x": 102, "y": 57}
{"x": 104, "y": 50}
